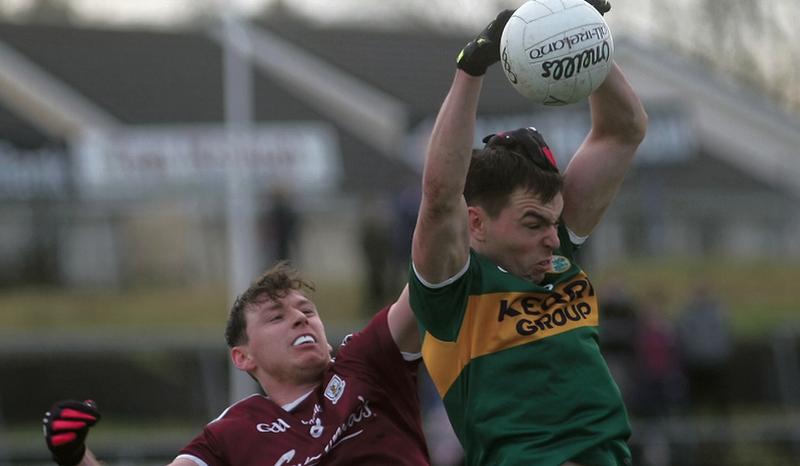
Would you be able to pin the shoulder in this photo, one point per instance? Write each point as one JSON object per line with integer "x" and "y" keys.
{"x": 245, "y": 408}
{"x": 370, "y": 351}
{"x": 376, "y": 330}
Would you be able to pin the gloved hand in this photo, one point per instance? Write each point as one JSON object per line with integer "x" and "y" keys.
{"x": 65, "y": 428}
{"x": 600, "y": 5}
{"x": 484, "y": 50}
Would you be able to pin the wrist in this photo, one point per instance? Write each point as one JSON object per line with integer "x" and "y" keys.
{"x": 473, "y": 72}
{"x": 73, "y": 458}
{"x": 470, "y": 62}
{"x": 465, "y": 75}
{"x": 89, "y": 459}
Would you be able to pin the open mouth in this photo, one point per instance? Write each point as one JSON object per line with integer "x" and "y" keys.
{"x": 304, "y": 340}
{"x": 545, "y": 264}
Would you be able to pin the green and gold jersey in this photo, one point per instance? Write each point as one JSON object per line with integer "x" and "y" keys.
{"x": 519, "y": 367}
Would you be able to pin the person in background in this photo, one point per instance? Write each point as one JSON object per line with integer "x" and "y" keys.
{"x": 705, "y": 343}
{"x": 375, "y": 240}
{"x": 280, "y": 226}
{"x": 660, "y": 382}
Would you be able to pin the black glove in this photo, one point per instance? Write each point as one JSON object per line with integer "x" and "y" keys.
{"x": 484, "y": 50}
{"x": 65, "y": 428}
{"x": 600, "y": 5}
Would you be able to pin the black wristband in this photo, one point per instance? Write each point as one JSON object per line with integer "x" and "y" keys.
{"x": 469, "y": 66}
{"x": 72, "y": 458}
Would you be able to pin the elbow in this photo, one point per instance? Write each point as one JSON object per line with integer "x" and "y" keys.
{"x": 436, "y": 210}
{"x": 439, "y": 198}
{"x": 638, "y": 124}
{"x": 618, "y": 113}
{"x": 632, "y": 127}
{"x": 628, "y": 128}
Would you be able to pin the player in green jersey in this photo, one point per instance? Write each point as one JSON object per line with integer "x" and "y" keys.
{"x": 511, "y": 337}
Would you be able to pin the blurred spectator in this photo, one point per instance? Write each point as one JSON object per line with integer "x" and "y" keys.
{"x": 406, "y": 207}
{"x": 279, "y": 226}
{"x": 443, "y": 445}
{"x": 706, "y": 347}
{"x": 618, "y": 337}
{"x": 376, "y": 239}
{"x": 660, "y": 382}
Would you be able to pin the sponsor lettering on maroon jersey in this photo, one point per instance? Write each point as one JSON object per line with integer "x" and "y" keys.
{"x": 366, "y": 411}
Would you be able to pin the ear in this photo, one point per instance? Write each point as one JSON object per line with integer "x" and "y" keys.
{"x": 476, "y": 218}
{"x": 241, "y": 359}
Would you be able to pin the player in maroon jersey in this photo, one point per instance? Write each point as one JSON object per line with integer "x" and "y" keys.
{"x": 359, "y": 408}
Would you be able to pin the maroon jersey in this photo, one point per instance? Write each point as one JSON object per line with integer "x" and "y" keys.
{"x": 365, "y": 412}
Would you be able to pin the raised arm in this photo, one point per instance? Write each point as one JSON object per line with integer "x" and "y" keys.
{"x": 597, "y": 169}
{"x": 66, "y": 426}
{"x": 403, "y": 324}
{"x": 441, "y": 241}
{"x": 90, "y": 460}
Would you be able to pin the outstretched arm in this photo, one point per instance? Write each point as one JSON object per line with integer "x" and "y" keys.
{"x": 441, "y": 239}
{"x": 90, "y": 460}
{"x": 441, "y": 242}
{"x": 403, "y": 324}
{"x": 66, "y": 426}
{"x": 597, "y": 169}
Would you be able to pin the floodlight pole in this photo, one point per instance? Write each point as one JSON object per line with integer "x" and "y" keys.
{"x": 238, "y": 101}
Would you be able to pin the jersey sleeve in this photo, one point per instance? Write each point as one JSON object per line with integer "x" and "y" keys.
{"x": 440, "y": 308}
{"x": 203, "y": 450}
{"x": 373, "y": 354}
{"x": 570, "y": 242}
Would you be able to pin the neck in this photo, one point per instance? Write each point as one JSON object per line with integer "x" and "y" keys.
{"x": 282, "y": 393}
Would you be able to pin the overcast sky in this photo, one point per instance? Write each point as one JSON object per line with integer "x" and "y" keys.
{"x": 376, "y": 11}
{"x": 762, "y": 28}
{"x": 137, "y": 11}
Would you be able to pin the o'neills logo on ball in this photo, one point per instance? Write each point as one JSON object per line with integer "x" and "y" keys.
{"x": 567, "y": 67}
{"x": 599, "y": 32}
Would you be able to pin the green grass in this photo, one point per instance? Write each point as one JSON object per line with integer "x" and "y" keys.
{"x": 203, "y": 308}
{"x": 760, "y": 296}
{"x": 145, "y": 308}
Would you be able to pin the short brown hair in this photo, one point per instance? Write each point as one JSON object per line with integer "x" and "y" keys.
{"x": 274, "y": 284}
{"x": 505, "y": 164}
{"x": 496, "y": 172}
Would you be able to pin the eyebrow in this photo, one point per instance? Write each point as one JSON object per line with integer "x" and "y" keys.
{"x": 539, "y": 216}
{"x": 277, "y": 306}
{"x": 272, "y": 307}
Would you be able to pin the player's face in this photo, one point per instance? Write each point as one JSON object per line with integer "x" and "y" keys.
{"x": 286, "y": 339}
{"x": 523, "y": 236}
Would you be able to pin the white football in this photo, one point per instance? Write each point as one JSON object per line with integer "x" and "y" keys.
{"x": 556, "y": 52}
